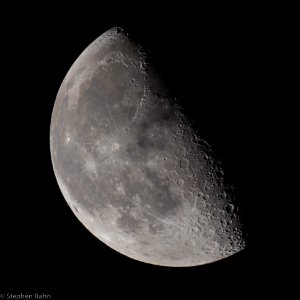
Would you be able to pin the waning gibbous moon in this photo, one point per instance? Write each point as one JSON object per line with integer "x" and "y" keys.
{"x": 132, "y": 168}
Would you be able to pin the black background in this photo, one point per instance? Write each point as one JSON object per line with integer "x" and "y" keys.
{"x": 218, "y": 59}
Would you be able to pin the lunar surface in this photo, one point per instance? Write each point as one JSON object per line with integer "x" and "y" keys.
{"x": 132, "y": 168}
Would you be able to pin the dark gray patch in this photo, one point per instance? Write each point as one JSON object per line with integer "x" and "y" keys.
{"x": 159, "y": 198}
{"x": 75, "y": 208}
{"x": 154, "y": 226}
{"x": 128, "y": 224}
{"x": 145, "y": 143}
{"x": 137, "y": 154}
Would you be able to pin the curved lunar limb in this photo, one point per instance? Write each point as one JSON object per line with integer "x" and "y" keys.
{"x": 132, "y": 168}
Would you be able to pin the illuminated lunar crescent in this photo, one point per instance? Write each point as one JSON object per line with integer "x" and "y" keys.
{"x": 132, "y": 168}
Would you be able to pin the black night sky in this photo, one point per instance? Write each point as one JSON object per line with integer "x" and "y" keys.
{"x": 217, "y": 59}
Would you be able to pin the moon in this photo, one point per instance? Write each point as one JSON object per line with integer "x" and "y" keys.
{"x": 131, "y": 166}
